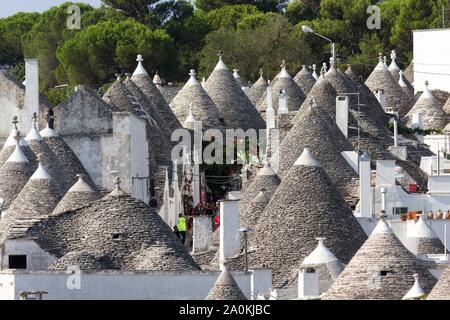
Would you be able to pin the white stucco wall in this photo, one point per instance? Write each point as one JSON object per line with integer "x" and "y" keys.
{"x": 120, "y": 285}
{"x": 37, "y": 259}
{"x": 431, "y": 49}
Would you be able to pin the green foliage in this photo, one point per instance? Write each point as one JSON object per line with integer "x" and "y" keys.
{"x": 229, "y": 16}
{"x": 252, "y": 46}
{"x": 174, "y": 37}
{"x": 299, "y": 10}
{"x": 57, "y": 95}
{"x": 405, "y": 130}
{"x": 97, "y": 52}
{"x": 44, "y": 38}
{"x": 18, "y": 71}
{"x": 413, "y": 15}
{"x": 11, "y": 32}
{"x": 263, "y": 5}
{"x": 153, "y": 13}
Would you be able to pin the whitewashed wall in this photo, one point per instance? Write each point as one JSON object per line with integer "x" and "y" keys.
{"x": 120, "y": 285}
{"x": 431, "y": 59}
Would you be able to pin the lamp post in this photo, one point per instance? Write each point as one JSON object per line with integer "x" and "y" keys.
{"x": 307, "y": 29}
{"x": 245, "y": 231}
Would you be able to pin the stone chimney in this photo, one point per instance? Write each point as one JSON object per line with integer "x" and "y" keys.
{"x": 31, "y": 92}
{"x": 342, "y": 109}
{"x": 229, "y": 230}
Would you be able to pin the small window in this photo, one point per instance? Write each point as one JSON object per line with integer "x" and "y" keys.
{"x": 310, "y": 270}
{"x": 384, "y": 273}
{"x": 117, "y": 236}
{"x": 17, "y": 262}
{"x": 399, "y": 210}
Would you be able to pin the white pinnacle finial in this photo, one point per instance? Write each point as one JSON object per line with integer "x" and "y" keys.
{"x": 393, "y": 55}
{"x": 41, "y": 171}
{"x": 320, "y": 255}
{"x": 48, "y": 132}
{"x": 190, "y": 118}
{"x": 380, "y": 64}
{"x": 17, "y": 155}
{"x": 140, "y": 70}
{"x": 393, "y": 65}
{"x": 220, "y": 65}
{"x": 192, "y": 80}
{"x": 284, "y": 73}
{"x": 416, "y": 292}
{"x": 314, "y": 74}
{"x": 426, "y": 93}
{"x": 401, "y": 81}
{"x": 33, "y": 134}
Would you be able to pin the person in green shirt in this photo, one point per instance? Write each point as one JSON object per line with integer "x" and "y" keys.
{"x": 181, "y": 226}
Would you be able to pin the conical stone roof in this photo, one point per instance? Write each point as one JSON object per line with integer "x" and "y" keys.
{"x": 427, "y": 240}
{"x": 54, "y": 167}
{"x": 304, "y": 80}
{"x": 257, "y": 90}
{"x": 305, "y": 205}
{"x": 434, "y": 117}
{"x": 225, "y": 288}
{"x": 237, "y": 110}
{"x": 409, "y": 73}
{"x": 382, "y": 269}
{"x": 141, "y": 78}
{"x": 238, "y": 78}
{"x": 407, "y": 88}
{"x": 315, "y": 129}
{"x": 14, "y": 175}
{"x": 38, "y": 198}
{"x": 367, "y": 97}
{"x": 381, "y": 78}
{"x": 158, "y": 133}
{"x": 441, "y": 290}
{"x": 324, "y": 95}
{"x": 79, "y": 195}
{"x": 193, "y": 97}
{"x": 284, "y": 82}
{"x": 262, "y": 187}
{"x": 446, "y": 106}
{"x": 65, "y": 155}
{"x": 125, "y": 230}
{"x": 10, "y": 145}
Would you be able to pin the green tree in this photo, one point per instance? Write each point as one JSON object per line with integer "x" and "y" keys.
{"x": 48, "y": 34}
{"x": 228, "y": 16}
{"x": 252, "y": 46}
{"x": 154, "y": 13}
{"x": 299, "y": 10}
{"x": 263, "y": 5}
{"x": 11, "y": 31}
{"x": 96, "y": 53}
{"x": 413, "y": 15}
{"x": 189, "y": 37}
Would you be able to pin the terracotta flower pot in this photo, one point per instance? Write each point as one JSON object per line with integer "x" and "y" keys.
{"x": 403, "y": 217}
{"x": 439, "y": 214}
{"x": 447, "y": 215}
{"x": 430, "y": 215}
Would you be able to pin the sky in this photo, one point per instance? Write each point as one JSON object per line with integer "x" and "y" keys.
{"x": 9, "y": 7}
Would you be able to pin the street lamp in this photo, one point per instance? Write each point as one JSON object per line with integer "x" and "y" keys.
{"x": 307, "y": 29}
{"x": 245, "y": 231}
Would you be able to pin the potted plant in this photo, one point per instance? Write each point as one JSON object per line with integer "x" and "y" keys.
{"x": 447, "y": 215}
{"x": 430, "y": 215}
{"x": 403, "y": 216}
{"x": 439, "y": 214}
